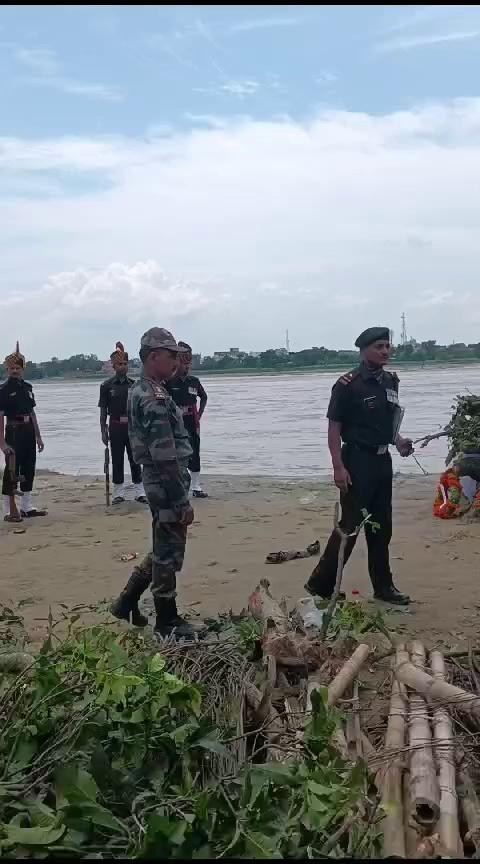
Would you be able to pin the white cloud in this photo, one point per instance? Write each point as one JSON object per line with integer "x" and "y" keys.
{"x": 326, "y": 77}
{"x": 240, "y": 89}
{"x": 264, "y": 24}
{"x": 294, "y": 221}
{"x": 40, "y": 60}
{"x": 117, "y": 291}
{"x": 47, "y": 68}
{"x": 405, "y": 43}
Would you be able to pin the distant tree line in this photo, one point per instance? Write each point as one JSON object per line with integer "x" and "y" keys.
{"x": 325, "y": 357}
{"x": 78, "y": 364}
{"x": 415, "y": 352}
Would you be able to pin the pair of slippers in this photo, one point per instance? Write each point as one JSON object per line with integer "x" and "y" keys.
{"x": 25, "y": 514}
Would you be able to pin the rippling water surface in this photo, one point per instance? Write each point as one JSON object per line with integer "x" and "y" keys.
{"x": 254, "y": 425}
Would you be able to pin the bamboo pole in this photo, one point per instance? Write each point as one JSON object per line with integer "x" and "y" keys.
{"x": 412, "y": 835}
{"x": 444, "y": 751}
{"x": 438, "y": 691}
{"x": 390, "y": 778}
{"x": 346, "y": 675}
{"x": 424, "y": 787}
{"x": 470, "y": 809}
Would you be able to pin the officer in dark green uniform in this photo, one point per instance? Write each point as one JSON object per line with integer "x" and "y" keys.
{"x": 364, "y": 418}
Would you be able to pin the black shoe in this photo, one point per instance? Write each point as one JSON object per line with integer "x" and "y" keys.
{"x": 125, "y": 607}
{"x": 170, "y": 623}
{"x": 315, "y": 593}
{"x": 142, "y": 499}
{"x": 177, "y": 627}
{"x": 199, "y": 493}
{"x": 392, "y": 595}
{"x": 118, "y": 500}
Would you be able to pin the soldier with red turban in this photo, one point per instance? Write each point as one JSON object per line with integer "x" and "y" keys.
{"x": 19, "y": 434}
{"x": 114, "y": 425}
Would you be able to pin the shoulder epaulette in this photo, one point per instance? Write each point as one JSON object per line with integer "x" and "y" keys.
{"x": 348, "y": 377}
{"x": 159, "y": 391}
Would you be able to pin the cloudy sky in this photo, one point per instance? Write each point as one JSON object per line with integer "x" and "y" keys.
{"x": 233, "y": 171}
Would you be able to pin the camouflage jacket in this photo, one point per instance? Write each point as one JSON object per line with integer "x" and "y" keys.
{"x": 161, "y": 445}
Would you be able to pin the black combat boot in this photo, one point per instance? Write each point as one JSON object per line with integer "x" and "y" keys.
{"x": 392, "y": 595}
{"x": 125, "y": 606}
{"x": 169, "y": 622}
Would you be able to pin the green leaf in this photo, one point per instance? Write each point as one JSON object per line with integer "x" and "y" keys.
{"x": 74, "y": 785}
{"x": 172, "y": 683}
{"x": 27, "y": 748}
{"x": 318, "y": 805}
{"x": 37, "y": 836}
{"x": 40, "y": 814}
{"x": 318, "y": 789}
{"x": 213, "y": 745}
{"x": 274, "y": 771}
{"x": 156, "y": 663}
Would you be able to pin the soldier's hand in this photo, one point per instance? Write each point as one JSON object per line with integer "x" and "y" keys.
{"x": 342, "y": 478}
{"x": 405, "y": 447}
{"x": 105, "y": 436}
{"x": 186, "y": 516}
{"x": 40, "y": 445}
{"x": 7, "y": 450}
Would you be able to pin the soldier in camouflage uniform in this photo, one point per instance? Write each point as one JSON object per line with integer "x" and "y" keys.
{"x": 161, "y": 445}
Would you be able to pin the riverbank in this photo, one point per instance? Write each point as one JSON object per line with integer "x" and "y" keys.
{"x": 405, "y": 365}
{"x": 73, "y": 555}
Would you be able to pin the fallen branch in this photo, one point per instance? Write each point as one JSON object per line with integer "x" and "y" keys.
{"x": 268, "y": 720}
{"x": 347, "y": 674}
{"x": 443, "y": 733}
{"x": 423, "y": 776}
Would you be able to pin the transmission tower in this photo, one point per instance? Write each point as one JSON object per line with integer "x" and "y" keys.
{"x": 404, "y": 329}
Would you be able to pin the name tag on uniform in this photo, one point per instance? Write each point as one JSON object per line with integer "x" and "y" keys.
{"x": 392, "y": 397}
{"x": 370, "y": 402}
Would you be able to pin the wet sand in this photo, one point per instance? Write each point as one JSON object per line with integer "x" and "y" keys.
{"x": 72, "y": 556}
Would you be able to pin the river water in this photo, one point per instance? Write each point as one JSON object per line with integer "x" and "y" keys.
{"x": 254, "y": 425}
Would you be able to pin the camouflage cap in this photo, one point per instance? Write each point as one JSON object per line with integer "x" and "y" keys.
{"x": 158, "y": 337}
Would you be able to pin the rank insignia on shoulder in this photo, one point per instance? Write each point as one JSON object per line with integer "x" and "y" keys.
{"x": 347, "y": 378}
{"x": 158, "y": 392}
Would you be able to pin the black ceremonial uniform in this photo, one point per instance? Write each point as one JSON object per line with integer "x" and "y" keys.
{"x": 366, "y": 405}
{"x": 114, "y": 398}
{"x": 185, "y": 392}
{"x": 17, "y": 403}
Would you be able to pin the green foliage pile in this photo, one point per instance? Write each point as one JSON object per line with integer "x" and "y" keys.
{"x": 105, "y": 753}
{"x": 463, "y": 430}
{"x": 351, "y": 620}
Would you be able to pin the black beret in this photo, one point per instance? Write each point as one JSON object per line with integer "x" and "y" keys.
{"x": 371, "y": 335}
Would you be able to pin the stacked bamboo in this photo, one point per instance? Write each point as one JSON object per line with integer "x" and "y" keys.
{"x": 421, "y": 783}
{"x": 427, "y": 796}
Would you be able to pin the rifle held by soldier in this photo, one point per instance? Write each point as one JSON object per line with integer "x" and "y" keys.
{"x": 106, "y": 469}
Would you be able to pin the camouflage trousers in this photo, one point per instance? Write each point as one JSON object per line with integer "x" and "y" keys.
{"x": 169, "y": 541}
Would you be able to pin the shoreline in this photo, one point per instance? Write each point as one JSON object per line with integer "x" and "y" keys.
{"x": 72, "y": 556}
{"x": 278, "y": 370}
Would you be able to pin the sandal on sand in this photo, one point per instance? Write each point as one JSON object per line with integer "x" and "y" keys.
{"x": 29, "y": 514}
{"x": 12, "y": 518}
{"x": 118, "y": 500}
{"x": 142, "y": 499}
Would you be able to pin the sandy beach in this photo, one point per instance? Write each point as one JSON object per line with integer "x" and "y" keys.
{"x": 72, "y": 556}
